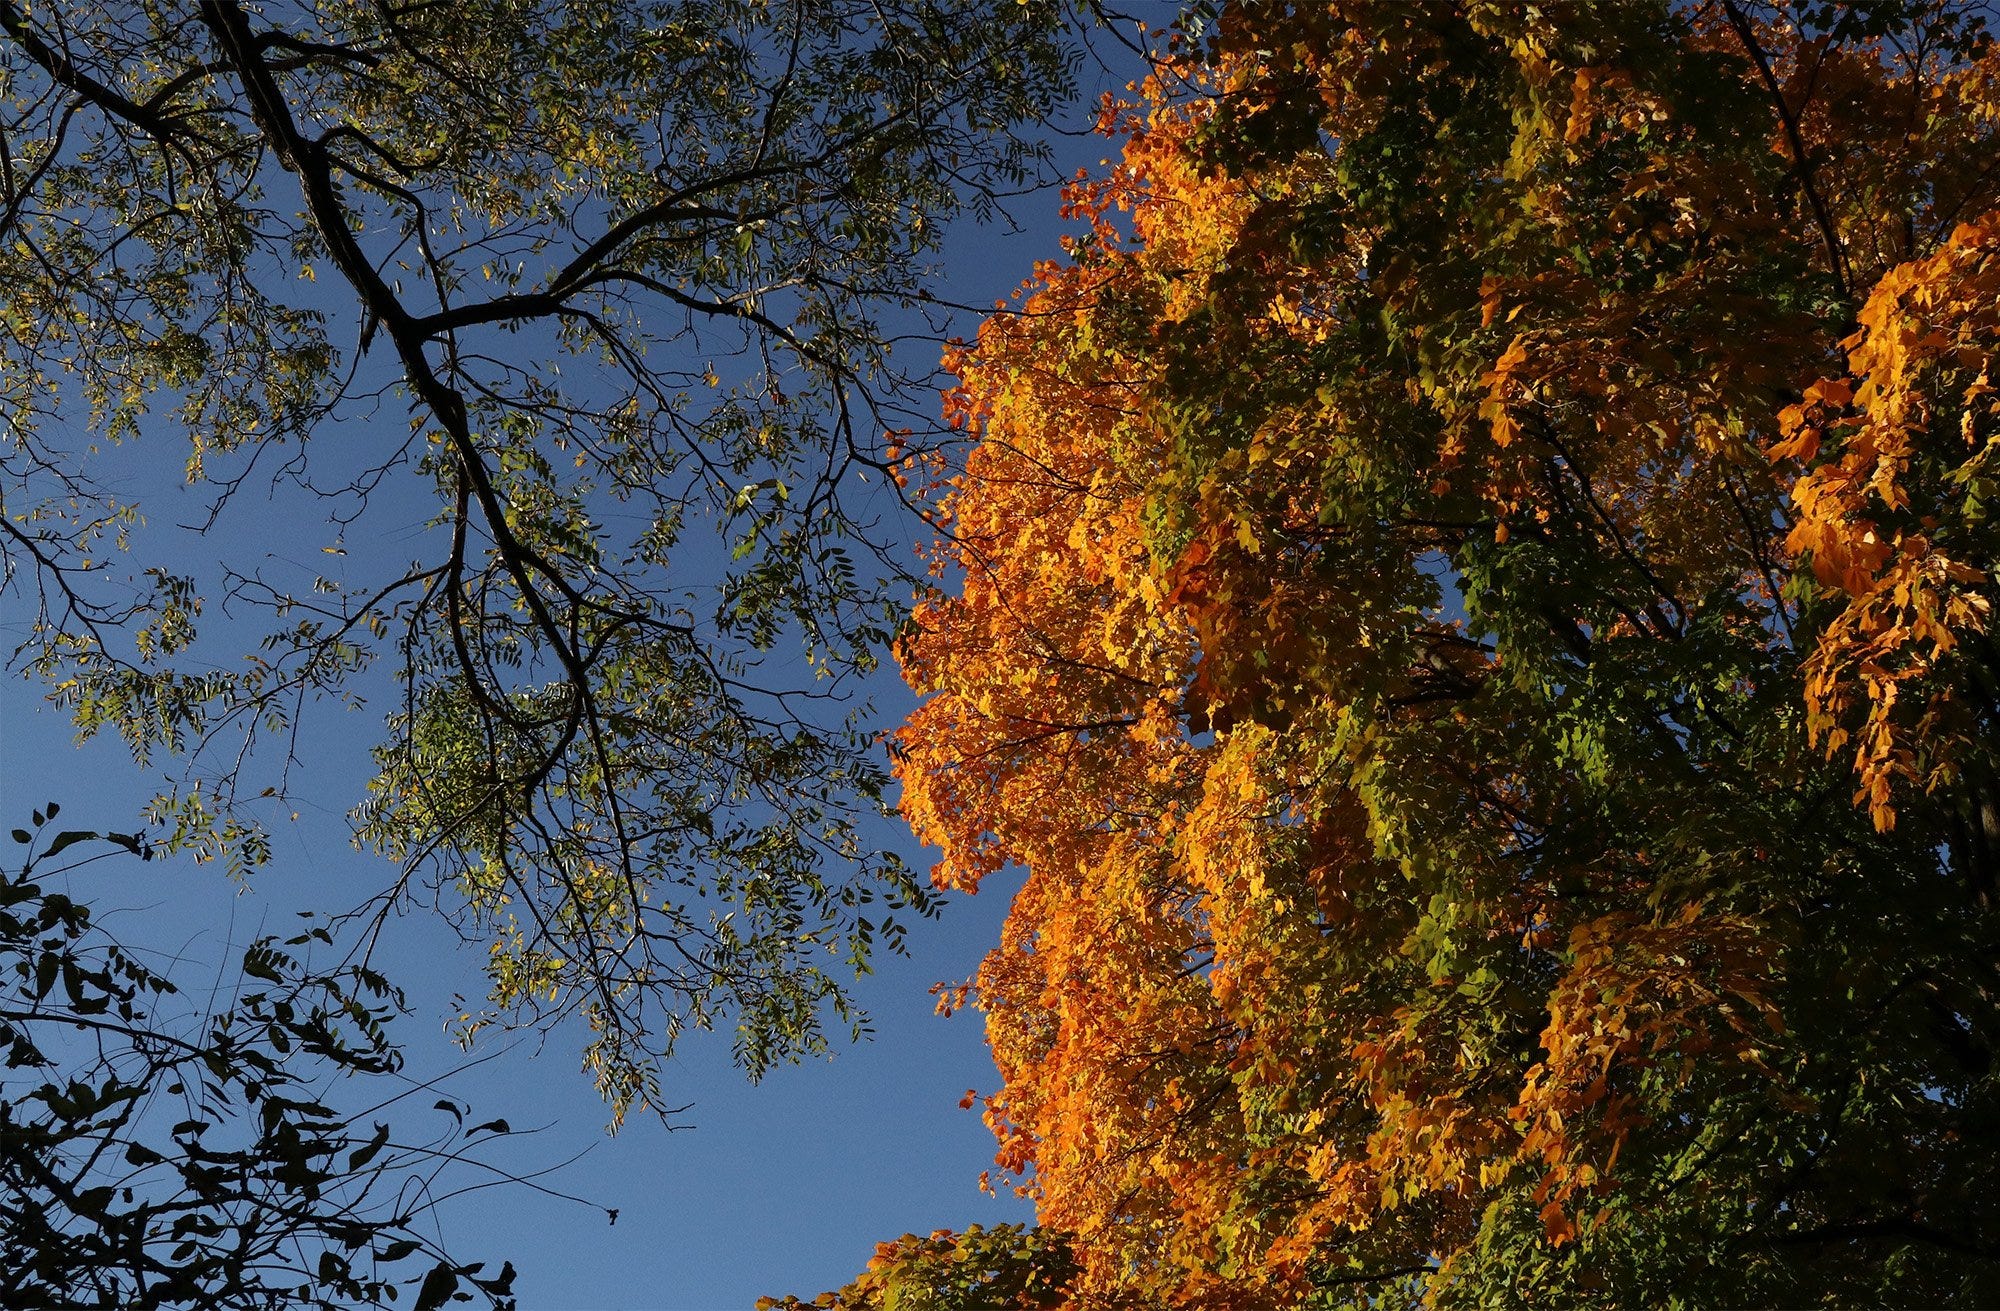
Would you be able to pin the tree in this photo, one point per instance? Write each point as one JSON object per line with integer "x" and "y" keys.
{"x": 587, "y": 304}
{"x": 156, "y": 1151}
{"x": 1422, "y": 578}
{"x": 1005, "y": 1268}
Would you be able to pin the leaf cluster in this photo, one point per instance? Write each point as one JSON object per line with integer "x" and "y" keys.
{"x": 159, "y": 1151}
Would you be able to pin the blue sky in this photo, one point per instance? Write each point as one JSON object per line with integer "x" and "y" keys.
{"x": 779, "y": 1187}
{"x": 775, "y": 1188}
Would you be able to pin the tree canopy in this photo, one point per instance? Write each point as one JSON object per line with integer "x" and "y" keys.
{"x": 556, "y": 337}
{"x": 1465, "y": 594}
{"x": 1469, "y": 601}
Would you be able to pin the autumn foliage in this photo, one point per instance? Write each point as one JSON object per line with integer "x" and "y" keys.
{"x": 1469, "y": 601}
{"x": 1005, "y": 1268}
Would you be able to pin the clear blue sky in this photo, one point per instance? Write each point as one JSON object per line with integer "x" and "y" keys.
{"x": 781, "y": 1187}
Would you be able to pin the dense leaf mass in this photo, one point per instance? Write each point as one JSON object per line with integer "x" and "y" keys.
{"x": 1473, "y": 595}
{"x": 1005, "y": 1268}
